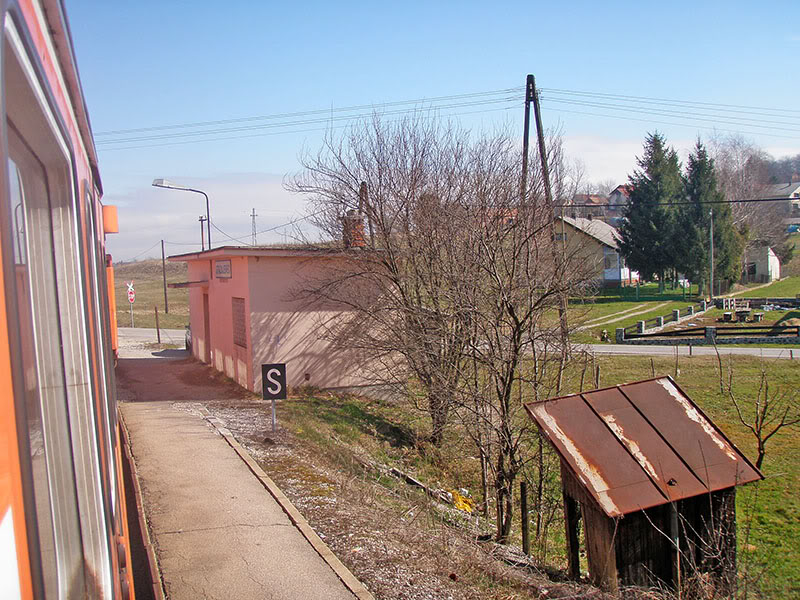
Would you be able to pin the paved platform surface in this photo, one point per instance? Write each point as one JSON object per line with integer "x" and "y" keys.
{"x": 217, "y": 532}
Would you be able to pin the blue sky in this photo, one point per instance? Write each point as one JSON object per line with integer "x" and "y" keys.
{"x": 146, "y": 64}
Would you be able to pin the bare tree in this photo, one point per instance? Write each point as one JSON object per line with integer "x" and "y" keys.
{"x": 408, "y": 179}
{"x": 742, "y": 170}
{"x": 771, "y": 412}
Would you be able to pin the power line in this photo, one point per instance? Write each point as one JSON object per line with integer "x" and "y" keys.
{"x": 655, "y": 99}
{"x": 308, "y": 112}
{"x": 256, "y": 135}
{"x": 685, "y": 202}
{"x": 680, "y": 114}
{"x": 673, "y": 123}
{"x": 295, "y": 123}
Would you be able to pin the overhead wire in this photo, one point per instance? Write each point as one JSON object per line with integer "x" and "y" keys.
{"x": 429, "y": 100}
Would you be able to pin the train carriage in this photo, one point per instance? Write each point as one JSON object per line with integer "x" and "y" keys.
{"x": 63, "y": 522}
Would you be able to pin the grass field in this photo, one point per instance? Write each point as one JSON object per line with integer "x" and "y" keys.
{"x": 768, "y": 511}
{"x": 785, "y": 288}
{"x": 148, "y": 282}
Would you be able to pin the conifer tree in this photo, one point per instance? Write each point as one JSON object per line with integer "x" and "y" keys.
{"x": 647, "y": 240}
{"x": 693, "y": 232}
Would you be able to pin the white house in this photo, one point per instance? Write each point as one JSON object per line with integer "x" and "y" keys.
{"x": 762, "y": 265}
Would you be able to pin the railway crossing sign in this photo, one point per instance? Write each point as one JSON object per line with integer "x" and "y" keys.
{"x": 273, "y": 385}
{"x": 131, "y": 293}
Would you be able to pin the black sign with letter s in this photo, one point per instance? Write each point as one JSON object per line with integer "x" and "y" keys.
{"x": 273, "y": 381}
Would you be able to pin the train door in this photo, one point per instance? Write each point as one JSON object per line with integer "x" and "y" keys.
{"x": 67, "y": 525}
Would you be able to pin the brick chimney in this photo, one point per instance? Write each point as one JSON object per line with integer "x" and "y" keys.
{"x": 353, "y": 230}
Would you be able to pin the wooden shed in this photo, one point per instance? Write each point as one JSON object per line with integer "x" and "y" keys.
{"x": 652, "y": 478}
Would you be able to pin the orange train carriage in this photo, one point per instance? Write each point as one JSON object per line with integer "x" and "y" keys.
{"x": 63, "y": 519}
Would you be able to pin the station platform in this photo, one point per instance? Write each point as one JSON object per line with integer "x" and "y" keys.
{"x": 218, "y": 526}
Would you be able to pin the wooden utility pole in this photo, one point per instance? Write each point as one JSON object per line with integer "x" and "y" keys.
{"x": 523, "y": 509}
{"x": 164, "y": 275}
{"x": 202, "y": 233}
{"x": 254, "y": 235}
{"x": 529, "y": 94}
{"x": 158, "y": 329}
{"x": 548, "y": 194}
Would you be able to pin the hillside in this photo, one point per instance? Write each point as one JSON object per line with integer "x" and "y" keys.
{"x": 148, "y": 282}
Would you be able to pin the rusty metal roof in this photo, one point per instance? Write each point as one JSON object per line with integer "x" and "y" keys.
{"x": 640, "y": 445}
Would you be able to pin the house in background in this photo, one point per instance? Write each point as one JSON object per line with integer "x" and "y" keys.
{"x": 761, "y": 265}
{"x": 617, "y": 201}
{"x": 589, "y": 206}
{"x": 598, "y": 243}
{"x": 246, "y": 308}
{"x": 791, "y": 193}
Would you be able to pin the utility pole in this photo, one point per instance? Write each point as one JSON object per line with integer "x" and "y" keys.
{"x": 202, "y": 234}
{"x": 164, "y": 274}
{"x": 711, "y": 250}
{"x": 253, "y": 216}
{"x": 548, "y": 194}
{"x": 529, "y": 94}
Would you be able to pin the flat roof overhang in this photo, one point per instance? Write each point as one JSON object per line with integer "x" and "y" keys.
{"x": 230, "y": 251}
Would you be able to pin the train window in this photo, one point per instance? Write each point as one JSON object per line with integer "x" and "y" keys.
{"x": 54, "y": 299}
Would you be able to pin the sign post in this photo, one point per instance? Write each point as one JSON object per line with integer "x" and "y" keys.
{"x": 131, "y": 298}
{"x": 273, "y": 385}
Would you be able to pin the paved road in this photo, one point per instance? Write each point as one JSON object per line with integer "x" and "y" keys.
{"x": 141, "y": 336}
{"x": 766, "y": 352}
{"x": 218, "y": 533}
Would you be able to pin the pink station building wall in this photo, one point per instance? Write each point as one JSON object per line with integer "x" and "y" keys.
{"x": 278, "y": 326}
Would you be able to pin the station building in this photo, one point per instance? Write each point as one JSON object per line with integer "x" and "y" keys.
{"x": 250, "y": 306}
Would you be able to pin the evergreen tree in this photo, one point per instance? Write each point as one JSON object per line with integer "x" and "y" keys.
{"x": 692, "y": 231}
{"x": 647, "y": 240}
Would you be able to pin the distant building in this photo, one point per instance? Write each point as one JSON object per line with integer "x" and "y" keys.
{"x": 599, "y": 244}
{"x": 761, "y": 265}
{"x": 789, "y": 191}
{"x": 589, "y": 205}
{"x": 618, "y": 199}
{"x": 246, "y": 308}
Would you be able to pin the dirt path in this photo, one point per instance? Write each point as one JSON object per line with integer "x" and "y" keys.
{"x": 625, "y": 316}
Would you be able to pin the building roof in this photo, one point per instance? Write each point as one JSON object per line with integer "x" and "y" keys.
{"x": 640, "y": 445}
{"x": 624, "y": 189}
{"x": 603, "y": 232}
{"x": 274, "y": 251}
{"x": 593, "y": 199}
{"x": 782, "y": 190}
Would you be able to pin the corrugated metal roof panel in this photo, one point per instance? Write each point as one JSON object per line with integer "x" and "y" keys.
{"x": 640, "y": 445}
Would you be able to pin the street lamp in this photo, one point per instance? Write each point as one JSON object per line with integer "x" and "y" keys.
{"x": 163, "y": 183}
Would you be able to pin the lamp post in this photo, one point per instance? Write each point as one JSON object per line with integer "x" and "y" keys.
{"x": 163, "y": 183}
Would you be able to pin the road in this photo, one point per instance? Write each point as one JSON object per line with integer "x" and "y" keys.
{"x": 619, "y": 349}
{"x": 137, "y": 335}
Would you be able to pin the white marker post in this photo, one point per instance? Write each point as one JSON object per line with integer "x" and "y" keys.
{"x": 273, "y": 386}
{"x": 131, "y": 298}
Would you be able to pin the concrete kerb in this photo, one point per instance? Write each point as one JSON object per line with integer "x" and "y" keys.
{"x": 144, "y": 525}
{"x": 342, "y": 572}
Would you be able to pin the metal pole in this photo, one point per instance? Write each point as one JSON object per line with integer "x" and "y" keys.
{"x": 711, "y": 250}
{"x": 274, "y": 422}
{"x": 208, "y": 216}
{"x": 158, "y": 329}
{"x": 164, "y": 275}
{"x": 202, "y": 233}
{"x": 131, "y": 303}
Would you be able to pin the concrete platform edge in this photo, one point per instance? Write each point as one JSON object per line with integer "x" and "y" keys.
{"x": 342, "y": 572}
{"x": 152, "y": 559}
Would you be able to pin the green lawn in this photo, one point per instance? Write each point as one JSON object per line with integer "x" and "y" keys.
{"x": 148, "y": 282}
{"x": 768, "y": 511}
{"x": 786, "y": 288}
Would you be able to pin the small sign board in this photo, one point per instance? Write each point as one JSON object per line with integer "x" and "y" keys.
{"x": 273, "y": 386}
{"x": 222, "y": 269}
{"x": 273, "y": 381}
{"x": 131, "y": 293}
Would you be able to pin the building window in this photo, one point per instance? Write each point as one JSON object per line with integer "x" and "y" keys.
{"x": 239, "y": 329}
{"x": 610, "y": 259}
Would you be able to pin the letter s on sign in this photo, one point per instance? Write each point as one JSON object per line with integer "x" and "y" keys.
{"x": 270, "y": 374}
